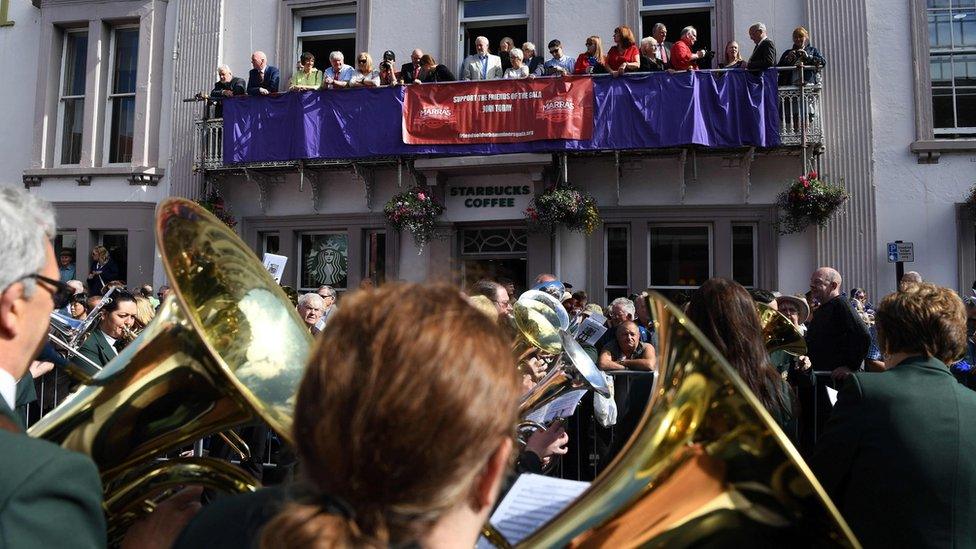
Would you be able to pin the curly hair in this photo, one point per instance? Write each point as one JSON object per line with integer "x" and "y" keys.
{"x": 922, "y": 319}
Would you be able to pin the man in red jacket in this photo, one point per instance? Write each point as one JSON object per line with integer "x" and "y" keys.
{"x": 682, "y": 58}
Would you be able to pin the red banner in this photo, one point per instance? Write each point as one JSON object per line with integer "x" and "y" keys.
{"x": 498, "y": 111}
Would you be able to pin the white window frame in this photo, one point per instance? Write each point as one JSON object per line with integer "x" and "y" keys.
{"x": 467, "y": 23}
{"x": 300, "y": 264}
{"x": 110, "y": 96}
{"x": 951, "y": 51}
{"x": 338, "y": 34}
{"x": 711, "y": 253}
{"x": 59, "y": 134}
{"x": 607, "y": 287}
{"x": 675, "y": 9}
{"x": 755, "y": 250}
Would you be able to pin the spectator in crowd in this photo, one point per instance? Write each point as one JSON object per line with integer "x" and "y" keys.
{"x": 387, "y": 78}
{"x": 103, "y": 270}
{"x": 724, "y": 312}
{"x": 307, "y": 77}
{"x": 896, "y": 455}
{"x": 837, "y": 338}
{"x": 517, "y": 69}
{"x": 543, "y": 278}
{"x": 310, "y": 308}
{"x": 163, "y": 292}
{"x": 530, "y": 57}
{"x": 582, "y": 298}
{"x": 263, "y": 78}
{"x": 364, "y": 76}
{"x": 557, "y": 65}
{"x": 682, "y": 58}
{"x": 227, "y": 85}
{"x": 802, "y": 53}
{"x": 623, "y": 55}
{"x": 431, "y": 71}
{"x": 497, "y": 294}
{"x": 861, "y": 296}
{"x": 329, "y": 306}
{"x": 619, "y": 311}
{"x": 663, "y": 51}
{"x": 794, "y": 308}
{"x": 118, "y": 317}
{"x": 509, "y": 286}
{"x": 147, "y": 292}
{"x": 362, "y": 489}
{"x": 911, "y": 277}
{"x": 410, "y": 72}
{"x": 78, "y": 307}
{"x": 145, "y": 313}
{"x": 592, "y": 60}
{"x": 731, "y": 59}
{"x": 66, "y": 265}
{"x": 505, "y": 47}
{"x": 339, "y": 73}
{"x": 626, "y": 351}
{"x": 764, "y": 54}
{"x": 648, "y": 61}
{"x": 874, "y": 360}
{"x": 482, "y": 65}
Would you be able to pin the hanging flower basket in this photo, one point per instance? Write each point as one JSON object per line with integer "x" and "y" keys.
{"x": 563, "y": 205}
{"x": 810, "y": 200}
{"x": 415, "y": 211}
{"x": 214, "y": 204}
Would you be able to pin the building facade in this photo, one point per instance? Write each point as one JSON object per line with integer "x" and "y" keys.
{"x": 107, "y": 134}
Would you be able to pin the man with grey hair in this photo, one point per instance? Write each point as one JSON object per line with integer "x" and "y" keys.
{"x": 339, "y": 73}
{"x": 764, "y": 54}
{"x": 310, "y": 308}
{"x": 410, "y": 72}
{"x": 531, "y": 57}
{"x": 663, "y": 50}
{"x": 263, "y": 78}
{"x": 682, "y": 56}
{"x": 482, "y": 65}
{"x": 227, "y": 85}
{"x": 329, "y": 306}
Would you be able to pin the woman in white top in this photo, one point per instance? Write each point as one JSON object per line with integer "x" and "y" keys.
{"x": 518, "y": 69}
{"x": 365, "y": 76}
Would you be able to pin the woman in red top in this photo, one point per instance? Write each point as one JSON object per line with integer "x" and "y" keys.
{"x": 624, "y": 56}
{"x": 591, "y": 61}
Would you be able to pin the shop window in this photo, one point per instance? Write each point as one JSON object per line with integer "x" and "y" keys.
{"x": 952, "y": 62}
{"x": 375, "y": 256}
{"x": 122, "y": 94}
{"x": 270, "y": 243}
{"x": 493, "y": 19}
{"x": 323, "y": 33}
{"x": 71, "y": 100}
{"x": 676, "y": 15}
{"x": 495, "y": 253}
{"x": 617, "y": 262}
{"x": 680, "y": 257}
{"x": 744, "y": 245}
{"x": 324, "y": 260}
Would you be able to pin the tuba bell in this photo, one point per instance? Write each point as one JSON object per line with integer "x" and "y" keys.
{"x": 707, "y": 465}
{"x": 225, "y": 348}
{"x": 537, "y": 318}
{"x": 779, "y": 333}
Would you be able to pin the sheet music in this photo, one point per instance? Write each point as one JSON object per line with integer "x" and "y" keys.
{"x": 532, "y": 502}
{"x": 591, "y": 330}
{"x": 832, "y": 395}
{"x": 564, "y": 406}
{"x": 275, "y": 264}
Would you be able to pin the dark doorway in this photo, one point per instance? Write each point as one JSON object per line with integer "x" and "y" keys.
{"x": 513, "y": 269}
{"x": 118, "y": 249}
{"x": 322, "y": 47}
{"x": 494, "y": 34}
{"x": 700, "y": 19}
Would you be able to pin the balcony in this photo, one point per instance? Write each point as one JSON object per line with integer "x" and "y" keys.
{"x": 799, "y": 116}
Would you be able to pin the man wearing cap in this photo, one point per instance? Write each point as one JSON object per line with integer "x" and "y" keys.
{"x": 410, "y": 72}
{"x": 66, "y": 265}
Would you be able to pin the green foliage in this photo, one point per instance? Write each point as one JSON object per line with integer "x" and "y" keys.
{"x": 810, "y": 200}
{"x": 415, "y": 211}
{"x": 564, "y": 205}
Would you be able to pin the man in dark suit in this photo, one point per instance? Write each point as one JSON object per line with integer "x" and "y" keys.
{"x": 105, "y": 342}
{"x": 263, "y": 78}
{"x": 764, "y": 54}
{"x": 228, "y": 85}
{"x": 897, "y": 454}
{"x": 663, "y": 49}
{"x": 410, "y": 72}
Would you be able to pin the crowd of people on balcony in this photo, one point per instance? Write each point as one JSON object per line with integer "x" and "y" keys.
{"x": 626, "y": 55}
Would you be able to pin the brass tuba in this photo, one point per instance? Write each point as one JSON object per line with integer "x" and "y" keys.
{"x": 537, "y": 318}
{"x": 706, "y": 465}
{"x": 779, "y": 333}
{"x": 226, "y": 348}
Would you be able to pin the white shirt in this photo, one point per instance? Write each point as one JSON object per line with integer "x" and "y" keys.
{"x": 111, "y": 342}
{"x": 8, "y": 387}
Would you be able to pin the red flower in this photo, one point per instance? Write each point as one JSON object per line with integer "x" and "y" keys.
{"x": 421, "y": 196}
{"x": 813, "y": 174}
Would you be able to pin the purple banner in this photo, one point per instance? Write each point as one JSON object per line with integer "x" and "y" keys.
{"x": 656, "y": 110}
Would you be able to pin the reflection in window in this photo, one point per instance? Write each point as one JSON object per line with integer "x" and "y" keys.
{"x": 618, "y": 262}
{"x": 122, "y": 95}
{"x": 376, "y": 256}
{"x": 680, "y": 256}
{"x": 952, "y": 58}
{"x": 744, "y": 255}
{"x": 325, "y": 260}
{"x": 72, "y": 100}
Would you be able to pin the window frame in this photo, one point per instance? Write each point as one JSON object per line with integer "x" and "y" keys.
{"x": 677, "y": 9}
{"x": 110, "y": 95}
{"x": 755, "y": 251}
{"x": 607, "y": 287}
{"x": 949, "y": 52}
{"x": 338, "y": 34}
{"x": 711, "y": 251}
{"x": 59, "y": 130}
{"x": 300, "y": 256}
{"x": 469, "y": 23}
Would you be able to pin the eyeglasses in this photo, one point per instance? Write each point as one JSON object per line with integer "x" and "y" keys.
{"x": 61, "y": 294}
{"x": 554, "y": 51}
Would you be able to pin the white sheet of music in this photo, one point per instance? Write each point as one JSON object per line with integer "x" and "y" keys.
{"x": 532, "y": 502}
{"x": 563, "y": 406}
{"x": 832, "y": 395}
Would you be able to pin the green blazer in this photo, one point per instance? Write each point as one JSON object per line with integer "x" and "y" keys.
{"x": 97, "y": 349}
{"x": 49, "y": 496}
{"x": 898, "y": 457}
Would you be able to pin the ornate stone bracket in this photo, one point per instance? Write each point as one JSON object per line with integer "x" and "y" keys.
{"x": 314, "y": 178}
{"x": 32, "y": 181}
{"x": 84, "y": 180}
{"x": 264, "y": 183}
{"x": 150, "y": 179}
{"x": 368, "y": 176}
{"x": 745, "y": 165}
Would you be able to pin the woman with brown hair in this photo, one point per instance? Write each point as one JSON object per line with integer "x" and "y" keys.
{"x": 591, "y": 61}
{"x": 103, "y": 270}
{"x": 403, "y": 424}
{"x": 623, "y": 56}
{"x": 725, "y": 313}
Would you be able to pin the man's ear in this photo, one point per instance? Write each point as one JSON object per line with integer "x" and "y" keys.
{"x": 488, "y": 482}
{"x": 11, "y": 308}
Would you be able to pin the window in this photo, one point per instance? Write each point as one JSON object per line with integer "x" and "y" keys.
{"x": 618, "y": 262}
{"x": 375, "y": 256}
{"x": 680, "y": 257}
{"x": 493, "y": 19}
{"x": 270, "y": 243}
{"x": 676, "y": 15}
{"x": 323, "y": 33}
{"x": 495, "y": 253}
{"x": 744, "y": 261}
{"x": 952, "y": 60}
{"x": 122, "y": 94}
{"x": 117, "y": 244}
{"x": 324, "y": 260}
{"x": 71, "y": 100}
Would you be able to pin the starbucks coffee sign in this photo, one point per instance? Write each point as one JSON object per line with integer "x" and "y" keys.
{"x": 475, "y": 202}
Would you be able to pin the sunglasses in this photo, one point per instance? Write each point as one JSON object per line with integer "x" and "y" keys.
{"x": 61, "y": 294}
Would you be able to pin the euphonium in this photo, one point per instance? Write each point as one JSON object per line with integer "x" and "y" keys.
{"x": 779, "y": 333}
{"x": 707, "y": 465}
{"x": 226, "y": 348}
